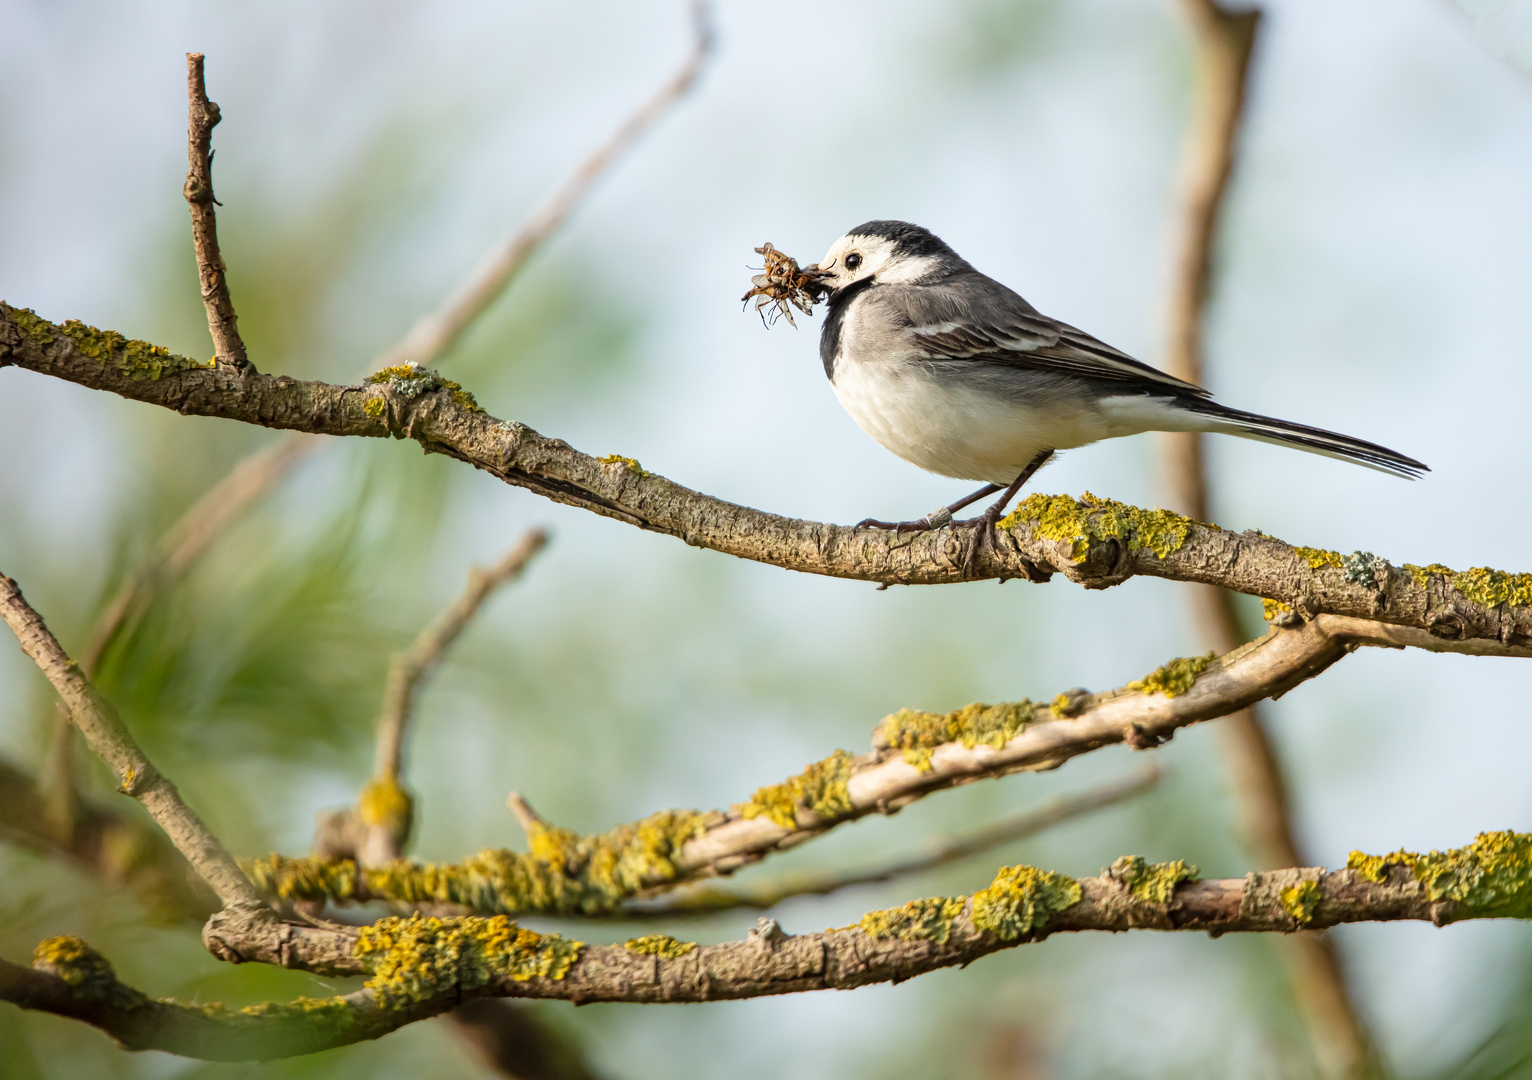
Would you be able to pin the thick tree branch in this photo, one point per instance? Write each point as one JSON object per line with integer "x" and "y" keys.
{"x": 203, "y": 115}
{"x": 110, "y": 740}
{"x": 1095, "y": 542}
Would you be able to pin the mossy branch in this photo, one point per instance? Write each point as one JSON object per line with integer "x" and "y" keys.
{"x": 1096, "y": 542}
{"x": 913, "y": 755}
{"x": 420, "y": 966}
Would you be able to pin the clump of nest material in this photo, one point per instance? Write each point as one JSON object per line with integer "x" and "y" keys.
{"x": 784, "y": 286}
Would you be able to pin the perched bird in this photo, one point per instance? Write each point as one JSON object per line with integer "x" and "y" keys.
{"x": 956, "y": 373}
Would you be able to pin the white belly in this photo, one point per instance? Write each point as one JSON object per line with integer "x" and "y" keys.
{"x": 953, "y": 430}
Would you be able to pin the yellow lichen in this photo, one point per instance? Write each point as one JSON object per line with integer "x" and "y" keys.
{"x": 139, "y": 360}
{"x": 1319, "y": 558}
{"x": 929, "y": 919}
{"x": 1375, "y": 867}
{"x": 1155, "y": 882}
{"x": 1492, "y": 588}
{"x": 1174, "y": 678}
{"x": 410, "y": 379}
{"x": 661, "y": 945}
{"x": 1022, "y": 898}
{"x": 1271, "y": 609}
{"x": 820, "y": 789}
{"x": 919, "y": 757}
{"x": 1301, "y": 900}
{"x": 383, "y": 803}
{"x": 992, "y": 725}
{"x": 632, "y": 465}
{"x": 419, "y": 957}
{"x": 1491, "y": 877}
{"x": 565, "y": 873}
{"x": 74, "y": 961}
{"x": 1421, "y": 575}
{"x": 1059, "y": 517}
{"x": 375, "y": 408}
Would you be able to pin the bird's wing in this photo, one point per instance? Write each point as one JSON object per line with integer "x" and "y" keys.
{"x": 983, "y": 321}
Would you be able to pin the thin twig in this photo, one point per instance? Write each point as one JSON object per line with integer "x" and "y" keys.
{"x": 203, "y": 115}
{"x": 1225, "y": 41}
{"x": 436, "y": 333}
{"x": 375, "y": 830}
{"x": 707, "y": 900}
{"x": 410, "y": 668}
{"x": 109, "y": 739}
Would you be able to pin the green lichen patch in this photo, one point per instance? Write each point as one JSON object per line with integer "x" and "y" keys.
{"x": 1155, "y": 882}
{"x": 631, "y": 465}
{"x": 1492, "y": 588}
{"x": 1061, "y": 518}
{"x": 384, "y": 803}
{"x": 421, "y": 956}
{"x": 661, "y": 945}
{"x": 375, "y": 407}
{"x": 1174, "y": 678}
{"x": 565, "y": 873}
{"x": 929, "y": 919}
{"x": 1366, "y": 569}
{"x": 1022, "y": 898}
{"x": 1301, "y": 900}
{"x": 138, "y": 360}
{"x": 1492, "y": 876}
{"x": 1375, "y": 867}
{"x": 410, "y": 380}
{"x": 1319, "y": 558}
{"x": 992, "y": 725}
{"x": 322, "y": 1014}
{"x": 819, "y": 789}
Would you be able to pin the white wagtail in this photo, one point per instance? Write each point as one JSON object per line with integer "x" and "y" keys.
{"x": 956, "y": 373}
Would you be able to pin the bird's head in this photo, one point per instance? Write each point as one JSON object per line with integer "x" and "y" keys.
{"x": 892, "y": 252}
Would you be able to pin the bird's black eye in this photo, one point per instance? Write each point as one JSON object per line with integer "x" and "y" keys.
{"x": 853, "y": 261}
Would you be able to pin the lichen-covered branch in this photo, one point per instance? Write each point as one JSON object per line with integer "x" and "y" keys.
{"x": 914, "y": 753}
{"x": 109, "y": 739}
{"x": 439, "y": 331}
{"x": 421, "y": 965}
{"x": 203, "y": 115}
{"x": 709, "y": 899}
{"x": 69, "y": 978}
{"x": 1096, "y": 542}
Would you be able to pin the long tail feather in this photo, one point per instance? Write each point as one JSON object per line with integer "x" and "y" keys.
{"x": 1315, "y": 440}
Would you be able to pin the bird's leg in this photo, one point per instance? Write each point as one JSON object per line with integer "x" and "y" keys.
{"x": 934, "y": 520}
{"x": 984, "y": 525}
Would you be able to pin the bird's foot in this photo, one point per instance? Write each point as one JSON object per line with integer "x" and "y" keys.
{"x": 983, "y": 536}
{"x": 934, "y": 520}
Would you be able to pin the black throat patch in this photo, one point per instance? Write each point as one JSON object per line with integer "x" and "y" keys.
{"x": 829, "y": 336}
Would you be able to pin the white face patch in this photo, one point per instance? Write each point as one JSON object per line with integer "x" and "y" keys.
{"x": 853, "y": 258}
